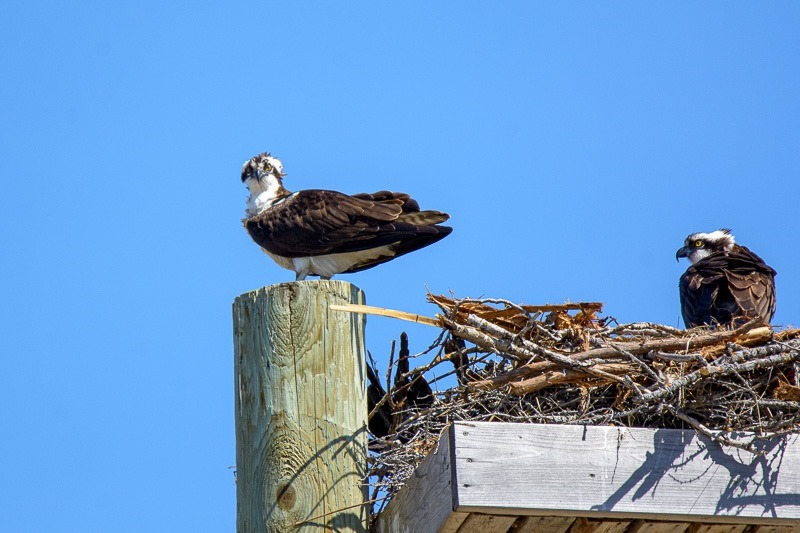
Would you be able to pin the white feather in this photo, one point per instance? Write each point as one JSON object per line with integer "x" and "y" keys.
{"x": 720, "y": 238}
{"x": 329, "y": 265}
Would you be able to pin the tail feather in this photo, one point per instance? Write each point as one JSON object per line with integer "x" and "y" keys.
{"x": 423, "y": 218}
{"x": 431, "y": 235}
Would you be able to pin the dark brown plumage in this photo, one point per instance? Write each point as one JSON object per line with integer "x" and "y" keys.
{"x": 321, "y": 232}
{"x": 318, "y": 222}
{"x": 380, "y": 422}
{"x": 725, "y": 283}
{"x": 409, "y": 392}
{"x": 412, "y": 391}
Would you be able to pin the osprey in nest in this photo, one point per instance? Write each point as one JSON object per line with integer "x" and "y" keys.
{"x": 322, "y": 233}
{"x": 726, "y": 282}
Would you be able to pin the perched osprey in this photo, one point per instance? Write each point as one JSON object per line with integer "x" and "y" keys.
{"x": 725, "y": 281}
{"x": 322, "y": 233}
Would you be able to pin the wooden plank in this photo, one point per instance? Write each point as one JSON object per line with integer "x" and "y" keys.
{"x": 426, "y": 502}
{"x": 719, "y": 528}
{"x": 543, "y": 524}
{"x": 301, "y": 442}
{"x": 453, "y": 522}
{"x": 773, "y": 529}
{"x": 592, "y": 525}
{"x": 648, "y": 526}
{"x": 484, "y": 523}
{"x": 652, "y": 474}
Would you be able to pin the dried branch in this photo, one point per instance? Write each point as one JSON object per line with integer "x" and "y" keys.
{"x": 722, "y": 368}
{"x": 565, "y": 365}
{"x": 637, "y": 348}
{"x": 552, "y": 378}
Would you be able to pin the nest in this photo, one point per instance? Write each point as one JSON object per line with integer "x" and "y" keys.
{"x": 566, "y": 364}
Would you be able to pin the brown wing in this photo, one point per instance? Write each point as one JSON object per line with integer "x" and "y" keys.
{"x": 723, "y": 287}
{"x": 699, "y": 289}
{"x": 408, "y": 204}
{"x": 318, "y": 222}
{"x": 752, "y": 284}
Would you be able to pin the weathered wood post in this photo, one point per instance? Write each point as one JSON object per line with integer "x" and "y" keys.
{"x": 301, "y": 441}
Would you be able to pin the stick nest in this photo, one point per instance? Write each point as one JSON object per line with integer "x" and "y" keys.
{"x": 565, "y": 364}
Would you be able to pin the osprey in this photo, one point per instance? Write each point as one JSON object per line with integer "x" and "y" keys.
{"x": 725, "y": 282}
{"x": 322, "y": 233}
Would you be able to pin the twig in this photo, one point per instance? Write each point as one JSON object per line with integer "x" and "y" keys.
{"x": 716, "y": 436}
{"x": 549, "y": 379}
{"x": 391, "y": 313}
{"x": 632, "y": 347}
{"x": 719, "y": 369}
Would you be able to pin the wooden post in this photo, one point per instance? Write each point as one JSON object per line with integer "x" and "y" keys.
{"x": 301, "y": 441}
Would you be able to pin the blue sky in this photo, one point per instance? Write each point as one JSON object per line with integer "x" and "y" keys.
{"x": 574, "y": 144}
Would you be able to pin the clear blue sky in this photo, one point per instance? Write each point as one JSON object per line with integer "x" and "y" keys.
{"x": 575, "y": 147}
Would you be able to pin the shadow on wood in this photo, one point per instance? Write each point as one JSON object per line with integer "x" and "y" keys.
{"x": 301, "y": 440}
{"x": 604, "y": 473}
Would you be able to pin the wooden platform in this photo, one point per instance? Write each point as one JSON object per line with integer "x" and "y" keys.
{"x": 499, "y": 477}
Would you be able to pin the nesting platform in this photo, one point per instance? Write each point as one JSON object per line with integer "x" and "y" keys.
{"x": 521, "y": 477}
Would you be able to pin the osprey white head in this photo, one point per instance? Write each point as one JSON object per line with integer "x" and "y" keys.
{"x": 263, "y": 176}
{"x": 698, "y": 246}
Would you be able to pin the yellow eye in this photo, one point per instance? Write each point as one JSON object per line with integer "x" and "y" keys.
{"x": 269, "y": 167}
{"x": 698, "y": 244}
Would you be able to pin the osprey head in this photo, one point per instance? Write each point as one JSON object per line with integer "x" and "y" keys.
{"x": 698, "y": 246}
{"x": 261, "y": 166}
{"x": 263, "y": 176}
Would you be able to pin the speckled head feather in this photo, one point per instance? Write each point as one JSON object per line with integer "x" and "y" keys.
{"x": 263, "y": 175}
{"x": 261, "y": 165}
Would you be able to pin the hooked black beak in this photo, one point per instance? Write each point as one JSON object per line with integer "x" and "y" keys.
{"x": 682, "y": 252}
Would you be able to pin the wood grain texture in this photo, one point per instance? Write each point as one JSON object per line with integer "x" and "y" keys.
{"x": 543, "y": 524}
{"x": 482, "y": 523}
{"x": 648, "y": 526}
{"x": 766, "y": 529}
{"x": 592, "y": 525}
{"x": 301, "y": 441}
{"x": 613, "y": 472}
{"x": 722, "y": 528}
